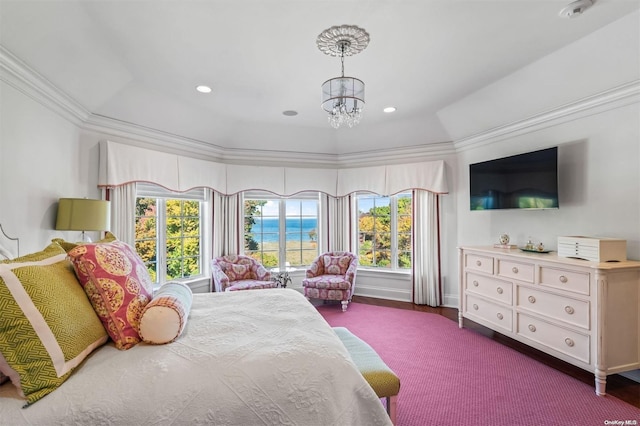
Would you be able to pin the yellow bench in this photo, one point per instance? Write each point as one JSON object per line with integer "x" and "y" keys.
{"x": 380, "y": 377}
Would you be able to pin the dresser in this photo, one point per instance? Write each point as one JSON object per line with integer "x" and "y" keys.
{"x": 585, "y": 313}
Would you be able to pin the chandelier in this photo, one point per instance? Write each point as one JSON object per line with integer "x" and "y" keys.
{"x": 343, "y": 97}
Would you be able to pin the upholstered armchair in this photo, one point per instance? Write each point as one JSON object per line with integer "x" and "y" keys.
{"x": 332, "y": 276}
{"x": 237, "y": 272}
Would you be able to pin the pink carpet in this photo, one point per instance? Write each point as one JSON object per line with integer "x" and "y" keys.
{"x": 453, "y": 376}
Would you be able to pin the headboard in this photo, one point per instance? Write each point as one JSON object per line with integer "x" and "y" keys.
{"x": 7, "y": 241}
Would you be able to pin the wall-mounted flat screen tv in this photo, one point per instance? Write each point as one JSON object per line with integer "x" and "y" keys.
{"x": 524, "y": 181}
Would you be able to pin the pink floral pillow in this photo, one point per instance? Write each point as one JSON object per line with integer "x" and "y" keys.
{"x": 336, "y": 265}
{"x": 118, "y": 286}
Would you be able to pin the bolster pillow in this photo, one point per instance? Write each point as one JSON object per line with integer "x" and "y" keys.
{"x": 165, "y": 317}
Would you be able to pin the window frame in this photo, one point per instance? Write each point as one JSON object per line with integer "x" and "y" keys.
{"x": 282, "y": 219}
{"x": 394, "y": 216}
{"x": 161, "y": 195}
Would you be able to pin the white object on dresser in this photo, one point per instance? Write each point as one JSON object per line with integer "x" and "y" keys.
{"x": 594, "y": 249}
{"x": 585, "y": 313}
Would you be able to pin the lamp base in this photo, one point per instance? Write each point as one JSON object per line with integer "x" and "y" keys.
{"x": 85, "y": 238}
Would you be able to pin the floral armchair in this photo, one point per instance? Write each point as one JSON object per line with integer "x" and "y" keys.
{"x": 237, "y": 272}
{"x": 332, "y": 276}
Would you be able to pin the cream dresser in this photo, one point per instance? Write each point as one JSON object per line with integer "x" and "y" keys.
{"x": 585, "y": 313}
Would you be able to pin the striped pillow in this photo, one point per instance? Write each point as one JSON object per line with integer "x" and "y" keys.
{"x": 165, "y": 317}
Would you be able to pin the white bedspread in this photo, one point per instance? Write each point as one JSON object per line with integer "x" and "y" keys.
{"x": 259, "y": 357}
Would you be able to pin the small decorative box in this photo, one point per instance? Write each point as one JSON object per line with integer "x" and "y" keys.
{"x": 593, "y": 249}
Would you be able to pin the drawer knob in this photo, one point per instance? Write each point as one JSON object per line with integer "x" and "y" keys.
{"x": 475, "y": 306}
{"x": 569, "y": 342}
{"x": 563, "y": 279}
{"x": 478, "y": 263}
{"x": 514, "y": 270}
{"x": 499, "y": 316}
{"x": 499, "y": 290}
{"x": 475, "y": 283}
{"x": 569, "y": 310}
{"x": 531, "y": 299}
{"x": 532, "y": 328}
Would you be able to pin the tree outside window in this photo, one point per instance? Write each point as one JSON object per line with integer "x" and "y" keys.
{"x": 168, "y": 237}
{"x": 384, "y": 231}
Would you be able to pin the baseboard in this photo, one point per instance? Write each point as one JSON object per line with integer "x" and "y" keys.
{"x": 383, "y": 293}
{"x": 633, "y": 375}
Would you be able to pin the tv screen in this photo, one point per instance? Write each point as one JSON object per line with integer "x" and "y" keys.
{"x": 524, "y": 181}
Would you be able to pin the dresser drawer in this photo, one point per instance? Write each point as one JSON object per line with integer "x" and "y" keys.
{"x": 502, "y": 291}
{"x": 577, "y": 282}
{"x": 499, "y": 316}
{"x": 568, "y": 342}
{"x": 479, "y": 263}
{"x": 516, "y": 270}
{"x": 561, "y": 308}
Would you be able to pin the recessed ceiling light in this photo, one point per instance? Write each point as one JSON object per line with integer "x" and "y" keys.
{"x": 389, "y": 109}
{"x": 289, "y": 113}
{"x": 203, "y": 89}
{"x": 576, "y": 8}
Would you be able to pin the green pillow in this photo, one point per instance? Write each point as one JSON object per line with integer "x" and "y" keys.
{"x": 48, "y": 326}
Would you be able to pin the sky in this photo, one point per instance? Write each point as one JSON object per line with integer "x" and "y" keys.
{"x": 310, "y": 207}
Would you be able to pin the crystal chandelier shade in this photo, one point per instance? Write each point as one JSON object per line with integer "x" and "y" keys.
{"x": 343, "y": 97}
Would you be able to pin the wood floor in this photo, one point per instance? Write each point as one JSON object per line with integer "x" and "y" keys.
{"x": 617, "y": 386}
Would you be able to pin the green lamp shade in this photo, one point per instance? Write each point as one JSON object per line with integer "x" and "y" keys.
{"x": 81, "y": 214}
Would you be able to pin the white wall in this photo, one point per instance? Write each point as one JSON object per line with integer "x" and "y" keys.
{"x": 43, "y": 158}
{"x": 585, "y": 99}
{"x": 599, "y": 184}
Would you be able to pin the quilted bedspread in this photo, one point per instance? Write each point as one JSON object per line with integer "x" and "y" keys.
{"x": 259, "y": 357}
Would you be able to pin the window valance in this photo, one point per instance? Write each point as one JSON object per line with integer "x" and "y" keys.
{"x": 121, "y": 164}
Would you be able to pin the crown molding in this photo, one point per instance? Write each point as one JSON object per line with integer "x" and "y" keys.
{"x": 26, "y": 80}
{"x": 617, "y": 97}
{"x": 152, "y": 137}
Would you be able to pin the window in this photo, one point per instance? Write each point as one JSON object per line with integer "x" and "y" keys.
{"x": 384, "y": 231}
{"x": 169, "y": 232}
{"x": 281, "y": 232}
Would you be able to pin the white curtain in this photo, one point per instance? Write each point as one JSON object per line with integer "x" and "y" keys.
{"x": 227, "y": 219}
{"x": 426, "y": 256}
{"x": 123, "y": 212}
{"x": 340, "y": 229}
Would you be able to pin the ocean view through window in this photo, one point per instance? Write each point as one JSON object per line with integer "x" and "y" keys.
{"x": 297, "y": 230}
{"x": 281, "y": 232}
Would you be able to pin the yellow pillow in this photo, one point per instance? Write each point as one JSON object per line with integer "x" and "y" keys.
{"x": 48, "y": 326}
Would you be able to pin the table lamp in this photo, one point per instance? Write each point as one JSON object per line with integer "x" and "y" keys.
{"x": 82, "y": 214}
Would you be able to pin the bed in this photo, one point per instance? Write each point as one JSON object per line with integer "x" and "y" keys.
{"x": 260, "y": 357}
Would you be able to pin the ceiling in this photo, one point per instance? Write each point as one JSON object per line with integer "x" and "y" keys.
{"x": 139, "y": 62}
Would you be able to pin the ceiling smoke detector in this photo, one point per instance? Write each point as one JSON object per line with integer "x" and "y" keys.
{"x": 576, "y": 8}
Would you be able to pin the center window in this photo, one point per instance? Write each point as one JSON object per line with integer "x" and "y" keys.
{"x": 281, "y": 232}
